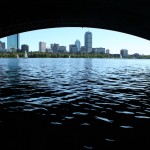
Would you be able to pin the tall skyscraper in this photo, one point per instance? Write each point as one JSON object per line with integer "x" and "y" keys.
{"x": 42, "y": 46}
{"x": 88, "y": 42}
{"x": 13, "y": 42}
{"x": 77, "y": 43}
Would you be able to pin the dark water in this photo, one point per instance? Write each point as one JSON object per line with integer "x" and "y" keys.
{"x": 74, "y": 103}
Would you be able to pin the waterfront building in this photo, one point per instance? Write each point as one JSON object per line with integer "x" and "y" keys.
{"x": 73, "y": 48}
{"x": 136, "y": 55}
{"x": 78, "y": 44}
{"x": 62, "y": 49}
{"x": 83, "y": 49}
{"x": 42, "y": 46}
{"x": 55, "y": 47}
{"x": 48, "y": 50}
{"x": 88, "y": 42}
{"x": 107, "y": 51}
{"x": 13, "y": 42}
{"x": 2, "y": 46}
{"x": 124, "y": 53}
{"x": 100, "y": 50}
{"x": 94, "y": 50}
{"x": 24, "y": 47}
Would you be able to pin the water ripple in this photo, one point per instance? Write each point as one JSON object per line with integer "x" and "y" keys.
{"x": 142, "y": 117}
{"x": 125, "y": 112}
{"x": 126, "y": 127}
{"x": 86, "y": 103}
{"x": 104, "y": 119}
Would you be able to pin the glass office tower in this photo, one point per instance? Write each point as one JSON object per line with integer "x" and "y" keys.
{"x": 88, "y": 42}
{"x": 77, "y": 43}
{"x": 13, "y": 42}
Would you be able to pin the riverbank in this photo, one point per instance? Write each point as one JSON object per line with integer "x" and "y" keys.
{"x": 67, "y": 55}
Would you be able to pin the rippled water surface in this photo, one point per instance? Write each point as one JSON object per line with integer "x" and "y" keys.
{"x": 74, "y": 103}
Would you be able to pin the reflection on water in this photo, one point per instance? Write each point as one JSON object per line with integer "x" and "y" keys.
{"x": 74, "y": 103}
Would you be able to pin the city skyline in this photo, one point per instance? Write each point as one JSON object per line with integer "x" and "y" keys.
{"x": 112, "y": 40}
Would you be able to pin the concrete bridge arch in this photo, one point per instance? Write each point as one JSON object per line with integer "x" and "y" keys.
{"x": 126, "y": 16}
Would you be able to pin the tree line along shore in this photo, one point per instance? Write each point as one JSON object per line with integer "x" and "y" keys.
{"x": 67, "y": 55}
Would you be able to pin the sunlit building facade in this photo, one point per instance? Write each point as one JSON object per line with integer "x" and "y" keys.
{"x": 13, "y": 42}
{"x": 42, "y": 46}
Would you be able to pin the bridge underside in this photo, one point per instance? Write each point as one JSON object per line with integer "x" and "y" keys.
{"x": 126, "y": 16}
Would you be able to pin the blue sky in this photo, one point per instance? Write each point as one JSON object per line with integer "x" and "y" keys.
{"x": 112, "y": 40}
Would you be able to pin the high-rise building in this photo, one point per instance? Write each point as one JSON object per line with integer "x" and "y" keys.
{"x": 13, "y": 42}
{"x": 2, "y": 46}
{"x": 42, "y": 46}
{"x": 124, "y": 53}
{"x": 88, "y": 42}
{"x": 78, "y": 44}
{"x": 55, "y": 47}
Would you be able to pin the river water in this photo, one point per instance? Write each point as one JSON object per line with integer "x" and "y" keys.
{"x": 74, "y": 103}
